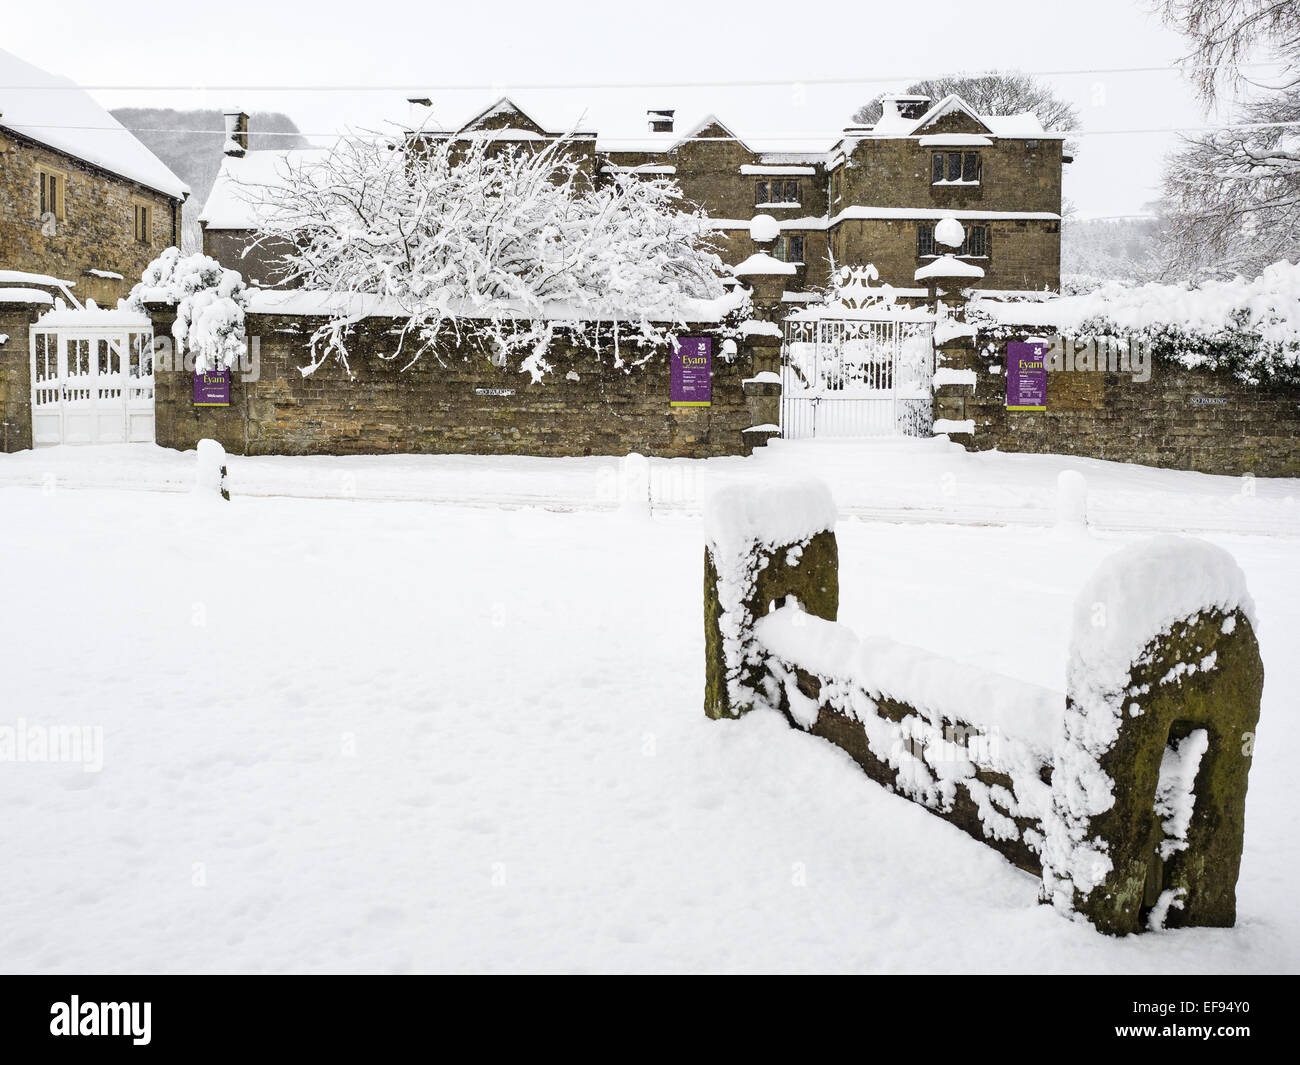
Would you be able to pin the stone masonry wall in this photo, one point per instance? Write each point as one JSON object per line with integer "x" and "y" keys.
{"x": 1024, "y": 254}
{"x": 16, "y": 375}
{"x": 1179, "y": 419}
{"x": 98, "y": 232}
{"x": 435, "y": 408}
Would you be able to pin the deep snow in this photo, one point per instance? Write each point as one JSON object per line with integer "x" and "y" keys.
{"x": 402, "y": 736}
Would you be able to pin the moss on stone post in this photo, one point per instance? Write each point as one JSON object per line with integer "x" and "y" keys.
{"x": 746, "y": 572}
{"x": 1223, "y": 700}
{"x": 1199, "y": 672}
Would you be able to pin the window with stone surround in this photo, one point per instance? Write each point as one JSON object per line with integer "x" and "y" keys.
{"x": 52, "y": 186}
{"x": 789, "y": 248}
{"x": 143, "y": 222}
{"x": 975, "y": 246}
{"x": 776, "y": 191}
{"x": 955, "y": 168}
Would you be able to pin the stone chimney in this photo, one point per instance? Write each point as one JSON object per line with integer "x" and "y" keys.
{"x": 417, "y": 112}
{"x": 236, "y": 133}
{"x": 904, "y": 105}
{"x": 661, "y": 120}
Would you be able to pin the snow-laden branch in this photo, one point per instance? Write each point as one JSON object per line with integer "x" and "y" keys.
{"x": 455, "y": 237}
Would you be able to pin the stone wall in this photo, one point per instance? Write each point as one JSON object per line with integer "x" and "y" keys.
{"x": 896, "y": 173}
{"x": 586, "y": 406}
{"x": 16, "y": 375}
{"x": 1024, "y": 254}
{"x": 1179, "y": 419}
{"x": 97, "y": 232}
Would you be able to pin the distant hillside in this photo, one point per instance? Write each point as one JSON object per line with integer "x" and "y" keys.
{"x": 193, "y": 152}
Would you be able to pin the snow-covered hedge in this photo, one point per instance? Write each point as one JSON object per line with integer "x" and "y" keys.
{"x": 1126, "y": 793}
{"x": 209, "y": 301}
{"x": 1250, "y": 328}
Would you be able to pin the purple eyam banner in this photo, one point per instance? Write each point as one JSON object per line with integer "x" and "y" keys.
{"x": 691, "y": 374}
{"x": 1027, "y": 376}
{"x": 212, "y": 389}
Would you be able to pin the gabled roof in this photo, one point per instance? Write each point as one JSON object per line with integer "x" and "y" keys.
{"x": 52, "y": 111}
{"x": 505, "y": 106}
{"x": 705, "y": 123}
{"x": 952, "y": 103}
{"x": 523, "y": 126}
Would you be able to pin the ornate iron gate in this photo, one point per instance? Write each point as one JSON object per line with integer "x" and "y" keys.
{"x": 856, "y": 376}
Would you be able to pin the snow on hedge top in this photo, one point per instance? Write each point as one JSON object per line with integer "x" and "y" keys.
{"x": 52, "y": 110}
{"x": 1140, "y": 592}
{"x": 782, "y": 512}
{"x": 1268, "y": 305}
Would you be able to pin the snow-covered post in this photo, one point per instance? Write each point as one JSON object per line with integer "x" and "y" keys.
{"x": 1071, "y": 502}
{"x": 1149, "y": 786}
{"x": 763, "y": 542}
{"x": 210, "y": 471}
{"x": 635, "y": 496}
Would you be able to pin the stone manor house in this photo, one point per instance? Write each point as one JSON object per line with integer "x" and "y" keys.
{"x": 873, "y": 196}
{"x": 81, "y": 199}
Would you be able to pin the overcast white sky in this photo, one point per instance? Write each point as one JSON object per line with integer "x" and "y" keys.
{"x": 508, "y": 42}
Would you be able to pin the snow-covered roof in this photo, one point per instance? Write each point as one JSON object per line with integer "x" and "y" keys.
{"x": 24, "y": 295}
{"x": 233, "y": 201}
{"x": 51, "y": 110}
{"x": 620, "y": 122}
{"x": 763, "y": 125}
{"x": 1024, "y": 126}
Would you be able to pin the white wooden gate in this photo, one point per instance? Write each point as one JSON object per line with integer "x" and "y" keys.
{"x": 91, "y": 384}
{"x": 856, "y": 376}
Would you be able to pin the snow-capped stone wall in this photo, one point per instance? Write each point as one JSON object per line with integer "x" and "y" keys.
{"x": 608, "y": 401}
{"x": 1172, "y": 414}
{"x": 1126, "y": 793}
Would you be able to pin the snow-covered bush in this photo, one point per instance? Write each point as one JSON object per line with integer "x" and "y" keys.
{"x": 209, "y": 302}
{"x": 459, "y": 236}
{"x": 1249, "y": 328}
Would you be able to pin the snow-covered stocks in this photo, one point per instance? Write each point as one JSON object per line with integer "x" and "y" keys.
{"x": 1164, "y": 682}
{"x": 1127, "y": 793}
{"x": 504, "y": 243}
{"x": 209, "y": 302}
{"x": 762, "y": 544}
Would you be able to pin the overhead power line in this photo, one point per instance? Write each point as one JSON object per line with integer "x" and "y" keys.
{"x": 820, "y": 137}
{"x": 518, "y": 86}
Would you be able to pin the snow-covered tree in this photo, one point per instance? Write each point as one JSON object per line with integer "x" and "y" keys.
{"x": 1227, "y": 34}
{"x": 1232, "y": 197}
{"x": 209, "y": 302}
{"x": 471, "y": 236}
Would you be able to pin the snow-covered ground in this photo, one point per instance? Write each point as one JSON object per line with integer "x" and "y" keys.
{"x": 893, "y": 480}
{"x": 398, "y": 735}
